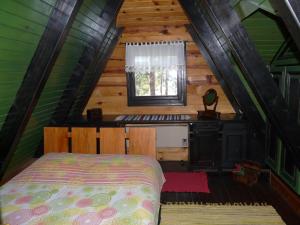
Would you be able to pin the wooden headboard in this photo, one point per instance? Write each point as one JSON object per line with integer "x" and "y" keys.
{"x": 116, "y": 140}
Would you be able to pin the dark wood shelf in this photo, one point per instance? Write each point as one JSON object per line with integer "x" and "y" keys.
{"x": 109, "y": 120}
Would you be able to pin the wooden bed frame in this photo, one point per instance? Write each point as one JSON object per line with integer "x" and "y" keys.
{"x": 131, "y": 140}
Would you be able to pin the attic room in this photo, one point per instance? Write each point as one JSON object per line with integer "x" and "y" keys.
{"x": 150, "y": 112}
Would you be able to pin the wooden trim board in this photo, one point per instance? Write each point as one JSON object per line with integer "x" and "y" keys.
{"x": 292, "y": 199}
{"x": 172, "y": 154}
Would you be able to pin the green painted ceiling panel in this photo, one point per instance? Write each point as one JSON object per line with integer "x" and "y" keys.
{"x": 269, "y": 35}
{"x": 265, "y": 31}
{"x": 21, "y": 26}
{"x": 287, "y": 59}
{"x": 247, "y": 7}
{"x": 77, "y": 40}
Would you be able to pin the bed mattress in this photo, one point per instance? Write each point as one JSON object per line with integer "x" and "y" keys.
{"x": 66, "y": 188}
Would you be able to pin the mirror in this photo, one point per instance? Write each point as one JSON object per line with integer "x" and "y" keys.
{"x": 210, "y": 98}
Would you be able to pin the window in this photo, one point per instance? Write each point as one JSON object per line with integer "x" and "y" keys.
{"x": 156, "y": 73}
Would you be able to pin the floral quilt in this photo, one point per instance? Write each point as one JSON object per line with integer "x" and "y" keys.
{"x": 66, "y": 188}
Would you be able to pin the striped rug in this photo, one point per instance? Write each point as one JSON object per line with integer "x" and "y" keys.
{"x": 219, "y": 215}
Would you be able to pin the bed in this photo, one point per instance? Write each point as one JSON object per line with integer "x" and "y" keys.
{"x": 69, "y": 188}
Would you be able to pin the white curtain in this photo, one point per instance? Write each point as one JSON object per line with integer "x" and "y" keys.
{"x": 151, "y": 57}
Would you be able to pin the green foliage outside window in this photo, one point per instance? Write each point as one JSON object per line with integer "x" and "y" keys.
{"x": 159, "y": 83}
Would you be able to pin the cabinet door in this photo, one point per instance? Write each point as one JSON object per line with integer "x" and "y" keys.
{"x": 142, "y": 141}
{"x": 234, "y": 144}
{"x": 172, "y": 136}
{"x": 204, "y": 145}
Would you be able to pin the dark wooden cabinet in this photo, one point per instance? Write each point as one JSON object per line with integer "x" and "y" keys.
{"x": 205, "y": 145}
{"x": 234, "y": 143}
{"x": 217, "y": 145}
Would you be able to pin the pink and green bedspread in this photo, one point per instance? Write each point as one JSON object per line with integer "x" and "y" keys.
{"x": 65, "y": 188}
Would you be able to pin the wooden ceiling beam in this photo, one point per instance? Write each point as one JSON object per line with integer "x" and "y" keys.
{"x": 204, "y": 51}
{"x": 289, "y": 11}
{"x": 88, "y": 57}
{"x": 215, "y": 52}
{"x": 255, "y": 72}
{"x": 95, "y": 72}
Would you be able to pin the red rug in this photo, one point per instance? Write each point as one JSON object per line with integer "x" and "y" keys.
{"x": 186, "y": 182}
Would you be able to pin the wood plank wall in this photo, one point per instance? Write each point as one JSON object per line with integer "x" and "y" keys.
{"x": 150, "y": 25}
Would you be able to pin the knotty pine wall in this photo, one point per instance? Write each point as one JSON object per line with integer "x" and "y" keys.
{"x": 111, "y": 91}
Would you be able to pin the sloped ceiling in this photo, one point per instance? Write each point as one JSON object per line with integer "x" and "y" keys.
{"x": 24, "y": 25}
{"x": 268, "y": 32}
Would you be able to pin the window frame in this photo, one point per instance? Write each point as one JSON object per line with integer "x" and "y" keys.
{"x": 176, "y": 100}
{"x": 179, "y": 99}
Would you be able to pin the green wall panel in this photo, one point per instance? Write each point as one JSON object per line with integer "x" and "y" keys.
{"x": 21, "y": 25}
{"x": 249, "y": 91}
{"x": 265, "y": 31}
{"x": 78, "y": 39}
{"x": 287, "y": 59}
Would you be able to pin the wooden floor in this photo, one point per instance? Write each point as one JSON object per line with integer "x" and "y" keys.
{"x": 225, "y": 190}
